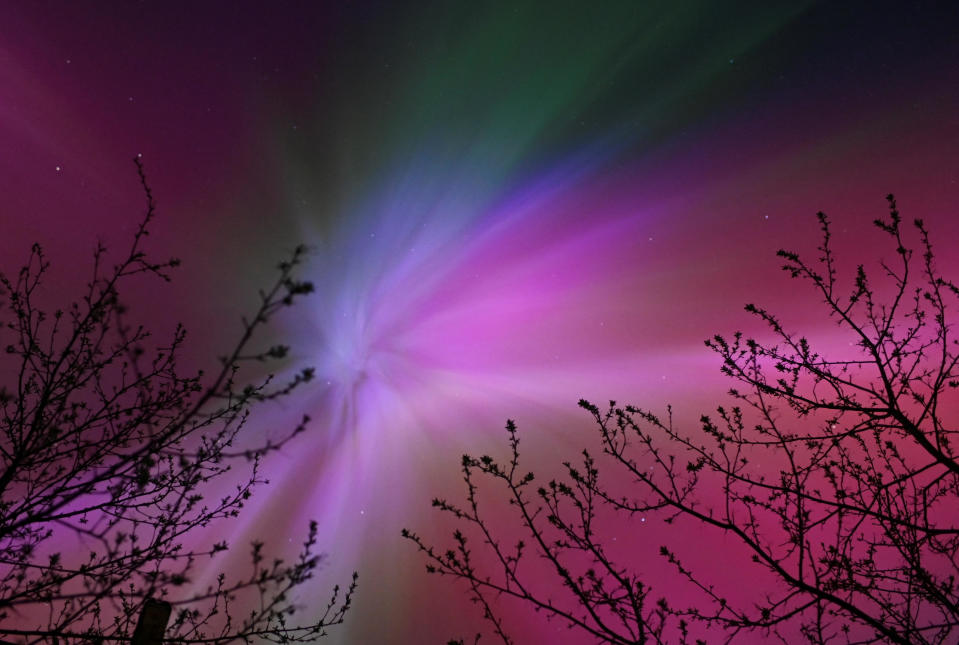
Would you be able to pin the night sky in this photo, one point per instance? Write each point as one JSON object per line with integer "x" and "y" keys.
{"x": 512, "y": 206}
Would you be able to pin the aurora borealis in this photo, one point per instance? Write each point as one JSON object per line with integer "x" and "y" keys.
{"x": 512, "y": 206}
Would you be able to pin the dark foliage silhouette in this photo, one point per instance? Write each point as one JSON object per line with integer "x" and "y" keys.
{"x": 109, "y": 455}
{"x": 834, "y": 473}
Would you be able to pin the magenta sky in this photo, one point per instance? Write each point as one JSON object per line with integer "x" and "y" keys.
{"x": 512, "y": 208}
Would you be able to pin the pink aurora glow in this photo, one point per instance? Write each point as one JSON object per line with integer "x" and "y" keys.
{"x": 453, "y": 294}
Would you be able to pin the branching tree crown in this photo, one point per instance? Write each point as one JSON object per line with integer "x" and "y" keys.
{"x": 838, "y": 477}
{"x": 108, "y": 455}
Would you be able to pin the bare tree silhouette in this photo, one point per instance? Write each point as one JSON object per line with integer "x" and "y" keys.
{"x": 837, "y": 477}
{"x": 107, "y": 456}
